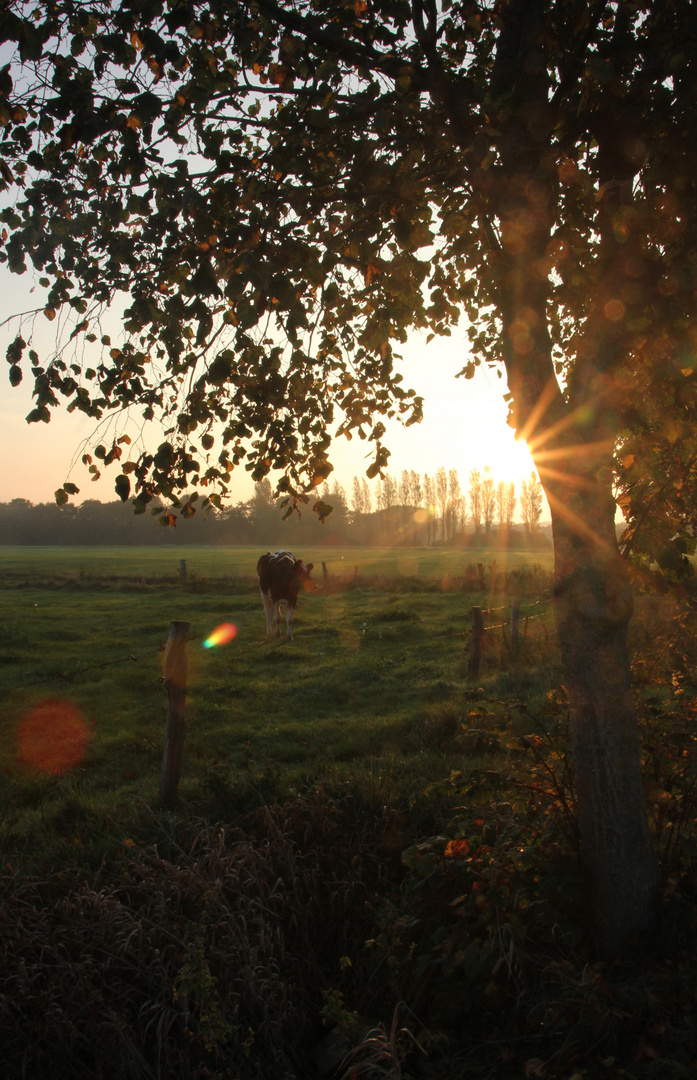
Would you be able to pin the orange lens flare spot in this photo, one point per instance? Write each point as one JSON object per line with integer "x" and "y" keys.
{"x": 53, "y": 736}
{"x": 614, "y": 310}
{"x": 221, "y": 635}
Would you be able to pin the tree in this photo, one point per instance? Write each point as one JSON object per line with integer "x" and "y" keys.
{"x": 283, "y": 189}
{"x": 415, "y": 492}
{"x": 404, "y": 491}
{"x": 501, "y": 503}
{"x": 357, "y": 501}
{"x": 441, "y": 484}
{"x": 475, "y": 492}
{"x": 388, "y": 491}
{"x": 505, "y": 503}
{"x": 264, "y": 512}
{"x": 367, "y": 501}
{"x": 430, "y": 505}
{"x": 531, "y": 502}
{"x": 488, "y": 499}
{"x": 454, "y": 506}
{"x": 509, "y": 504}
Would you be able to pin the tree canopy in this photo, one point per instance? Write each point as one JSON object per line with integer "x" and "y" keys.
{"x": 280, "y": 191}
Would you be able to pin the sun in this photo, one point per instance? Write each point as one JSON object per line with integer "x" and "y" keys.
{"x": 508, "y": 459}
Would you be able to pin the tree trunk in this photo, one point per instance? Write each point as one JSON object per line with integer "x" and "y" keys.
{"x": 593, "y": 607}
{"x": 571, "y": 435}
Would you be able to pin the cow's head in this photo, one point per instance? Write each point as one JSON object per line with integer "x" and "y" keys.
{"x": 302, "y": 573}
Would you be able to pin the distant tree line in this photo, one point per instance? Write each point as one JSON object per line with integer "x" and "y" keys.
{"x": 413, "y": 510}
{"x": 438, "y": 511}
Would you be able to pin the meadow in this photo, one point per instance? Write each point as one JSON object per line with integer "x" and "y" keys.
{"x": 375, "y": 659}
{"x": 395, "y": 837}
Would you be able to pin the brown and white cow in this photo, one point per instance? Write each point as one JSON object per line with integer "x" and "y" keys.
{"x": 281, "y": 576}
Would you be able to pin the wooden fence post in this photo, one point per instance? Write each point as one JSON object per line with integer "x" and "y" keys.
{"x": 515, "y": 619}
{"x": 477, "y": 642}
{"x": 325, "y": 573}
{"x": 175, "y": 685}
{"x": 182, "y": 571}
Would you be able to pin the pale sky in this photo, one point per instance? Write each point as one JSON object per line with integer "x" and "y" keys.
{"x": 464, "y": 425}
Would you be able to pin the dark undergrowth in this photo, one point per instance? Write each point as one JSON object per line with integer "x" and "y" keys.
{"x": 329, "y": 925}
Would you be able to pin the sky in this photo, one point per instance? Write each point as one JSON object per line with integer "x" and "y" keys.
{"x": 464, "y": 425}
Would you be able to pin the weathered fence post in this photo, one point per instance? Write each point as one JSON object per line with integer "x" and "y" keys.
{"x": 515, "y": 619}
{"x": 175, "y": 684}
{"x": 325, "y": 573}
{"x": 182, "y": 571}
{"x": 477, "y": 642}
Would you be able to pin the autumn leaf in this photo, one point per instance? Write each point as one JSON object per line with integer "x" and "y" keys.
{"x": 456, "y": 849}
{"x": 371, "y": 270}
{"x": 122, "y": 487}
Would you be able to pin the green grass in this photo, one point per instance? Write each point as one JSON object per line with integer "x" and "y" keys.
{"x": 161, "y": 564}
{"x": 369, "y": 694}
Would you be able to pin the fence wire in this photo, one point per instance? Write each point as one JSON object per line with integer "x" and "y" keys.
{"x": 69, "y": 676}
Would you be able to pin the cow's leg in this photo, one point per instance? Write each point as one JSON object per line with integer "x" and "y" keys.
{"x": 277, "y": 617}
{"x": 268, "y": 610}
{"x": 290, "y": 611}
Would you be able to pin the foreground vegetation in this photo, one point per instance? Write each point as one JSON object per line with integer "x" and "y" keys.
{"x": 371, "y": 850}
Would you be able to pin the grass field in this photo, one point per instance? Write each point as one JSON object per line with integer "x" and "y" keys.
{"x": 19, "y": 564}
{"x": 363, "y": 832}
{"x": 373, "y": 681}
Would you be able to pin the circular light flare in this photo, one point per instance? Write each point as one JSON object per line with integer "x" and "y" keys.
{"x": 614, "y": 310}
{"x": 222, "y": 634}
{"x": 52, "y": 736}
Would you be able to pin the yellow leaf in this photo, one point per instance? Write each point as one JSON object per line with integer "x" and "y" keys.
{"x": 135, "y": 41}
{"x": 628, "y": 461}
{"x": 133, "y": 122}
{"x": 371, "y": 270}
{"x": 456, "y": 849}
{"x": 50, "y": 313}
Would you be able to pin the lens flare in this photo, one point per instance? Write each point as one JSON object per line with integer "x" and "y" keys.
{"x": 221, "y": 635}
{"x": 53, "y": 736}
